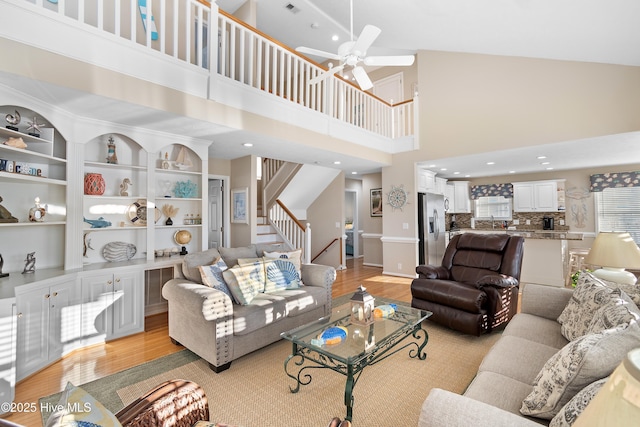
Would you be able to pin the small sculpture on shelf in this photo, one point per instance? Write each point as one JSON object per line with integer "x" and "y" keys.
{"x": 15, "y": 142}
{"x": 5, "y": 215}
{"x": 37, "y": 213}
{"x": 185, "y": 189}
{"x": 98, "y": 223}
{"x": 169, "y": 211}
{"x": 165, "y": 162}
{"x": 124, "y": 187}
{"x": 34, "y": 128}
{"x": 86, "y": 244}
{"x": 111, "y": 151}
{"x": 30, "y": 263}
{"x": 2, "y": 265}
{"x": 13, "y": 120}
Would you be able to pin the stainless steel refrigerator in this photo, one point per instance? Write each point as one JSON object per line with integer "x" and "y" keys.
{"x": 431, "y": 231}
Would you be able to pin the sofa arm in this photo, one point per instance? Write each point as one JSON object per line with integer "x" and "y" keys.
{"x": 544, "y": 301}
{"x": 318, "y": 275}
{"x": 432, "y": 272}
{"x": 445, "y": 409}
{"x": 497, "y": 280}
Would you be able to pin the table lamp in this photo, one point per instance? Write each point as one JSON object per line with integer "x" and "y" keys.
{"x": 614, "y": 251}
{"x": 618, "y": 401}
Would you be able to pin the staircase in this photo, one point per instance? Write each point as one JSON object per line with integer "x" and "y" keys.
{"x": 266, "y": 233}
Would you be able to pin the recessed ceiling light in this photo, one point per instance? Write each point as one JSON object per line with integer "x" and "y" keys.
{"x": 491, "y": 163}
{"x": 354, "y": 173}
{"x": 335, "y": 37}
{"x": 456, "y": 173}
{"x": 337, "y": 162}
{"x": 512, "y": 171}
{"x": 541, "y": 157}
{"x": 315, "y": 25}
{"x": 467, "y": 176}
{"x": 443, "y": 169}
{"x": 545, "y": 163}
{"x": 432, "y": 166}
{"x": 247, "y": 144}
{"x": 549, "y": 169}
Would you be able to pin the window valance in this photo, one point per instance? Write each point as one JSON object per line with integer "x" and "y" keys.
{"x": 505, "y": 190}
{"x": 601, "y": 181}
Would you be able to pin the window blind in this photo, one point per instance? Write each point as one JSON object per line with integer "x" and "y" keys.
{"x": 618, "y": 209}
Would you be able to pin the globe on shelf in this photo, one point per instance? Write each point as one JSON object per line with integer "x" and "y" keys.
{"x": 182, "y": 237}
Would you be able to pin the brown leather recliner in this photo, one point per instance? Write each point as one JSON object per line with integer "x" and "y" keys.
{"x": 476, "y": 288}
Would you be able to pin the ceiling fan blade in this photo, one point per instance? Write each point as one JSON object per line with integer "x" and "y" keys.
{"x": 368, "y": 35}
{"x": 400, "y": 60}
{"x": 362, "y": 78}
{"x": 330, "y": 72}
{"x": 316, "y": 52}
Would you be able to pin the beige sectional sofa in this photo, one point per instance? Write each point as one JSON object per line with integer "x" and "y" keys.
{"x": 208, "y": 322}
{"x": 533, "y": 374}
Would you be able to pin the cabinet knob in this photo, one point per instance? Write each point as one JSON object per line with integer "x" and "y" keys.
{"x": 47, "y": 296}
{"x": 19, "y": 315}
{"x": 109, "y": 282}
{"x": 55, "y": 294}
{"x": 118, "y": 280}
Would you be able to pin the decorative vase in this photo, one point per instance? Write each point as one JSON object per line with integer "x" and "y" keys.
{"x": 94, "y": 184}
{"x": 168, "y": 222}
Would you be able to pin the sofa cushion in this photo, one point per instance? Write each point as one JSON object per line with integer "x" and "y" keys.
{"x": 263, "y": 310}
{"x": 280, "y": 274}
{"x": 576, "y": 365}
{"x": 589, "y": 295}
{"x": 572, "y": 410}
{"x": 245, "y": 281}
{"x": 617, "y": 312}
{"x": 517, "y": 358}
{"x": 498, "y": 390}
{"x": 537, "y": 329}
{"x": 231, "y": 255}
{"x": 72, "y": 410}
{"x": 212, "y": 276}
{"x": 191, "y": 262}
{"x": 294, "y": 256}
{"x": 299, "y": 301}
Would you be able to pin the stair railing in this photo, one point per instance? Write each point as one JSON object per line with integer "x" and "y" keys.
{"x": 326, "y": 248}
{"x": 291, "y": 229}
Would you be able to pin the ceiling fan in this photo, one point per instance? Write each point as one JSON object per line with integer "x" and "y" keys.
{"x": 353, "y": 52}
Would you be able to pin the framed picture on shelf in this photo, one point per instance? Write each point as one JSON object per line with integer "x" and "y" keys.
{"x": 239, "y": 212}
{"x": 376, "y": 202}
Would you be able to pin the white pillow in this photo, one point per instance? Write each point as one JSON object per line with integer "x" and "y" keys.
{"x": 294, "y": 256}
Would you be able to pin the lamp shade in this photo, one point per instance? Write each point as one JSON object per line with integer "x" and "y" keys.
{"x": 614, "y": 249}
{"x": 618, "y": 401}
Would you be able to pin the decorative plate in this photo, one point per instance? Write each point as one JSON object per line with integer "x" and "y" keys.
{"x": 137, "y": 212}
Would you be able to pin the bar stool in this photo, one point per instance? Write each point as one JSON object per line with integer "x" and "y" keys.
{"x": 576, "y": 263}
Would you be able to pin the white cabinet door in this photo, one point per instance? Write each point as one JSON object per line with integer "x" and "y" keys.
{"x": 7, "y": 353}
{"x": 112, "y": 306}
{"x": 523, "y": 197}
{"x": 450, "y": 199}
{"x": 47, "y": 325}
{"x": 128, "y": 304}
{"x": 535, "y": 196}
{"x": 546, "y": 196}
{"x": 462, "y": 201}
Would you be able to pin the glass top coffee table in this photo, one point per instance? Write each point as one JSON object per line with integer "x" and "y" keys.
{"x": 362, "y": 346}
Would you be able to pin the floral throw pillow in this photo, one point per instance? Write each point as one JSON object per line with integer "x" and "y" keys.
{"x": 589, "y": 295}
{"x": 618, "y": 312}
{"x": 570, "y": 412}
{"x": 577, "y": 365}
{"x": 212, "y": 276}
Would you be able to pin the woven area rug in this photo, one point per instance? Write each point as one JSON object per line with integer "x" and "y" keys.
{"x": 255, "y": 390}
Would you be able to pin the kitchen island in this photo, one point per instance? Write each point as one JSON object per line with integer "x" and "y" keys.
{"x": 545, "y": 254}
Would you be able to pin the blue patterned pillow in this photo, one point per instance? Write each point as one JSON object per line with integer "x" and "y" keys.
{"x": 245, "y": 281}
{"x": 212, "y": 276}
{"x": 280, "y": 274}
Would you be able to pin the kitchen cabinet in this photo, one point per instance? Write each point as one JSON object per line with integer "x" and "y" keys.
{"x": 47, "y": 324}
{"x": 428, "y": 182}
{"x": 7, "y": 353}
{"x": 535, "y": 196}
{"x": 457, "y": 192}
{"x": 112, "y": 306}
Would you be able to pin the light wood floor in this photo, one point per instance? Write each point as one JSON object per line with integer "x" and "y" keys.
{"x": 82, "y": 366}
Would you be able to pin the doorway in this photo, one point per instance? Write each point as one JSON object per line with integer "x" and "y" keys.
{"x": 351, "y": 226}
{"x": 218, "y": 212}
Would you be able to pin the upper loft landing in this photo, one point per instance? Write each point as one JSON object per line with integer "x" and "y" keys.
{"x": 196, "y": 51}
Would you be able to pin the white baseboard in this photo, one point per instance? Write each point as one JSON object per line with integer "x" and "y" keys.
{"x": 393, "y": 273}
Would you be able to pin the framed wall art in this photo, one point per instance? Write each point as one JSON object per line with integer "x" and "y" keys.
{"x": 375, "y": 203}
{"x": 239, "y": 212}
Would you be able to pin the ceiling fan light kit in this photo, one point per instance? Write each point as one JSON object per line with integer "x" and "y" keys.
{"x": 353, "y": 52}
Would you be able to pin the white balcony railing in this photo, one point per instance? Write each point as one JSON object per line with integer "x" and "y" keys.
{"x": 187, "y": 31}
